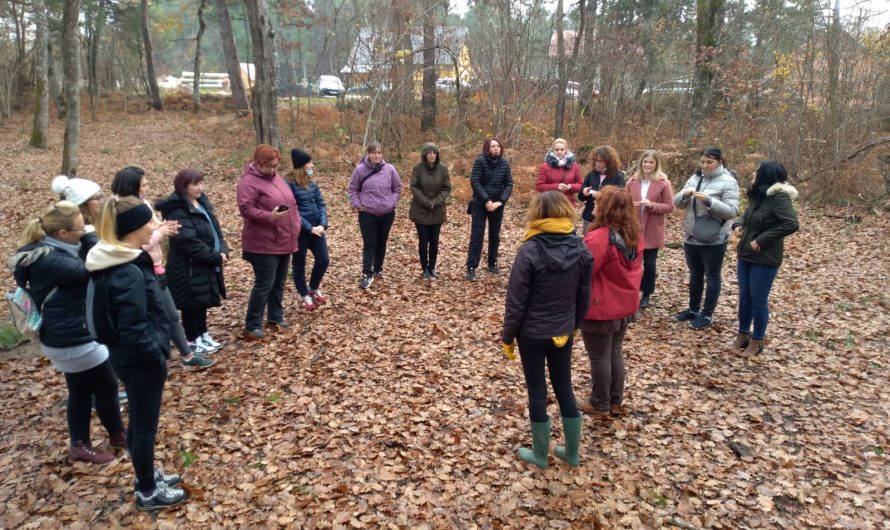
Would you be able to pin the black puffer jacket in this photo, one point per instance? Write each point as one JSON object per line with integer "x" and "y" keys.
{"x": 549, "y": 288}
{"x": 491, "y": 180}
{"x": 194, "y": 269}
{"x": 592, "y": 181}
{"x": 63, "y": 313}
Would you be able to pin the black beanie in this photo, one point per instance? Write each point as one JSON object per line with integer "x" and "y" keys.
{"x": 300, "y": 158}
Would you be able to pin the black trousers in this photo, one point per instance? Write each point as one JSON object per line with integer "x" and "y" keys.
{"x": 144, "y": 391}
{"x": 428, "y": 245}
{"x": 535, "y": 353}
{"x": 194, "y": 321}
{"x": 269, "y": 276}
{"x": 647, "y": 285}
{"x": 98, "y": 381}
{"x": 479, "y": 215}
{"x": 375, "y": 233}
{"x": 705, "y": 262}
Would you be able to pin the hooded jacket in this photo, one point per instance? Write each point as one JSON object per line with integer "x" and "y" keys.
{"x": 374, "y": 188}
{"x": 194, "y": 268}
{"x": 259, "y": 194}
{"x": 125, "y": 281}
{"x": 549, "y": 287}
{"x": 722, "y": 189}
{"x": 430, "y": 188}
{"x": 652, "y": 219}
{"x": 491, "y": 180}
{"x": 768, "y": 221}
{"x": 551, "y": 175}
{"x": 615, "y": 288}
{"x": 592, "y": 181}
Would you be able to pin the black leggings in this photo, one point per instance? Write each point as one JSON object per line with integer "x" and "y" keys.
{"x": 194, "y": 321}
{"x": 534, "y": 353}
{"x": 428, "y": 245}
{"x": 647, "y": 285}
{"x": 144, "y": 391}
{"x": 98, "y": 381}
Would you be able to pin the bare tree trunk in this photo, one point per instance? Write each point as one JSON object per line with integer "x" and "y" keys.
{"x": 153, "y": 88}
{"x": 834, "y": 70}
{"x": 708, "y": 21}
{"x": 196, "y": 84}
{"x": 41, "y": 92}
{"x": 55, "y": 80}
{"x": 430, "y": 72}
{"x": 94, "y": 22}
{"x": 588, "y": 68}
{"x": 236, "y": 85}
{"x": 71, "y": 60}
{"x": 560, "y": 69}
{"x": 265, "y": 91}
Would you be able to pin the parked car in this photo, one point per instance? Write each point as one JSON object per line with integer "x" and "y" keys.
{"x": 675, "y": 86}
{"x": 330, "y": 85}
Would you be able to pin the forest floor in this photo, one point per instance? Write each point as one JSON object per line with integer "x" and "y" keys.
{"x": 395, "y": 408}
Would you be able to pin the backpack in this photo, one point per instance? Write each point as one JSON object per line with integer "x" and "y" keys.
{"x": 25, "y": 312}
{"x": 97, "y": 314}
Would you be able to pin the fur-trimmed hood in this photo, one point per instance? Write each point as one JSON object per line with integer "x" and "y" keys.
{"x": 783, "y": 187}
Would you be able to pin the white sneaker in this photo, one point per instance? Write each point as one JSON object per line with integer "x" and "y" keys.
{"x": 202, "y": 348}
{"x": 209, "y": 340}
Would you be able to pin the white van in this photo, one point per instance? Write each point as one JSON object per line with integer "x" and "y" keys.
{"x": 330, "y": 85}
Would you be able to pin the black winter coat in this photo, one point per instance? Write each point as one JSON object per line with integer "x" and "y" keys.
{"x": 194, "y": 269}
{"x": 592, "y": 181}
{"x": 63, "y": 313}
{"x": 491, "y": 180}
{"x": 549, "y": 288}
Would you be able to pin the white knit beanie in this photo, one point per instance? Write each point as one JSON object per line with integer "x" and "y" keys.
{"x": 75, "y": 190}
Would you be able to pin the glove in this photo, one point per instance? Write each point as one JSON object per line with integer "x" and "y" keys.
{"x": 560, "y": 341}
{"x": 509, "y": 350}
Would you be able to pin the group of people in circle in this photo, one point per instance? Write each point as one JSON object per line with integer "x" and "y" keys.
{"x": 111, "y": 304}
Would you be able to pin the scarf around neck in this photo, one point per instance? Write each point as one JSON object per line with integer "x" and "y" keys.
{"x": 549, "y": 225}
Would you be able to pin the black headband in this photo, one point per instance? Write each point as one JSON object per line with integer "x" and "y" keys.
{"x": 133, "y": 219}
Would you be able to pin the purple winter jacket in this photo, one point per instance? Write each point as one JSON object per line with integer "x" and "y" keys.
{"x": 375, "y": 189}
{"x": 258, "y": 194}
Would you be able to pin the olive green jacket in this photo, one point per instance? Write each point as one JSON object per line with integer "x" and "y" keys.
{"x": 768, "y": 221}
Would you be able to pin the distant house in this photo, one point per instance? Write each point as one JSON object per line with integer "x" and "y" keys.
{"x": 375, "y": 51}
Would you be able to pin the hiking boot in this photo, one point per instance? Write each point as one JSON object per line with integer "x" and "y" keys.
{"x": 84, "y": 452}
{"x": 686, "y": 314}
{"x": 366, "y": 282}
{"x": 755, "y": 347}
{"x": 644, "y": 301}
{"x": 494, "y": 269}
{"x": 471, "y": 275}
{"x": 741, "y": 341}
{"x": 279, "y": 324}
{"x": 701, "y": 322}
{"x": 308, "y": 303}
{"x": 118, "y": 440}
{"x": 210, "y": 341}
{"x": 162, "y": 497}
{"x": 585, "y": 407}
{"x": 317, "y": 296}
{"x": 255, "y": 333}
{"x": 537, "y": 455}
{"x": 198, "y": 361}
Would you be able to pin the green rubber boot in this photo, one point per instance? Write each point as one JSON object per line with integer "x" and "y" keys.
{"x": 571, "y": 428}
{"x": 537, "y": 455}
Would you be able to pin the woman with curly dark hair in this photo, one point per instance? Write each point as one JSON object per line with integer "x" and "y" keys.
{"x": 606, "y": 172}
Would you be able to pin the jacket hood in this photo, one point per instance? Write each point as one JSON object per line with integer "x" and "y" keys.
{"x": 105, "y": 255}
{"x": 27, "y": 256}
{"x": 559, "y": 252}
{"x": 174, "y": 201}
{"x": 783, "y": 187}
{"x": 628, "y": 255}
{"x": 427, "y": 147}
{"x": 366, "y": 162}
{"x": 251, "y": 169}
{"x": 552, "y": 161}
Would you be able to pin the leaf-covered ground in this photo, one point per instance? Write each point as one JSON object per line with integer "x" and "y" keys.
{"x": 394, "y": 408}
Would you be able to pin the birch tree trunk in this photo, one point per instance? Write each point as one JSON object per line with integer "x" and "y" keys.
{"x": 265, "y": 92}
{"x": 153, "y": 89}
{"x": 196, "y": 83}
{"x": 233, "y": 67}
{"x": 41, "y": 82}
{"x": 71, "y": 61}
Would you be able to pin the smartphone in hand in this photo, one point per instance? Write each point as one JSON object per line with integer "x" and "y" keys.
{"x": 283, "y": 208}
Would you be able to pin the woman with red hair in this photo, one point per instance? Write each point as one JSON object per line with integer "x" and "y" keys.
{"x": 269, "y": 237}
{"x": 616, "y": 243}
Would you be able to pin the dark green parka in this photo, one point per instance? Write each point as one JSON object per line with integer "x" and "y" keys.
{"x": 430, "y": 188}
{"x": 768, "y": 221}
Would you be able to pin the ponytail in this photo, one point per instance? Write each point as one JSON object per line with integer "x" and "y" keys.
{"x": 59, "y": 216}
{"x": 106, "y": 225}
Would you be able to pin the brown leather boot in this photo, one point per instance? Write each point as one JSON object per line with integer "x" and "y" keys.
{"x": 118, "y": 441}
{"x": 741, "y": 341}
{"x": 755, "y": 346}
{"x": 84, "y": 452}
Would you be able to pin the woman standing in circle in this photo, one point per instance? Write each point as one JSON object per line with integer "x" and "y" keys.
{"x": 767, "y": 221}
{"x": 269, "y": 237}
{"x": 430, "y": 188}
{"x": 710, "y": 198}
{"x": 606, "y": 164}
{"x": 559, "y": 172}
{"x": 492, "y": 184}
{"x": 547, "y": 297}
{"x": 314, "y": 218}
{"x": 129, "y": 182}
{"x": 654, "y": 196}
{"x": 128, "y": 315}
{"x": 374, "y": 192}
{"x": 86, "y": 194}
{"x": 616, "y": 244}
{"x": 51, "y": 265}
{"x": 198, "y": 254}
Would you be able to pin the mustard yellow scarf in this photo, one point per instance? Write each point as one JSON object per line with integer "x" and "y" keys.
{"x": 550, "y": 225}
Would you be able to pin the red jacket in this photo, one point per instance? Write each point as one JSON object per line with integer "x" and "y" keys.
{"x": 258, "y": 194}
{"x": 549, "y": 178}
{"x": 652, "y": 219}
{"x": 615, "y": 288}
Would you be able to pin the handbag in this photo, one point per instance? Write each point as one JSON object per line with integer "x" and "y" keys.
{"x": 706, "y": 228}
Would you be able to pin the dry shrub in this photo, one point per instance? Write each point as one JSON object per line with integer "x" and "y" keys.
{"x": 461, "y": 191}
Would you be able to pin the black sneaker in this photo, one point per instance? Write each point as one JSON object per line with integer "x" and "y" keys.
{"x": 433, "y": 274}
{"x": 279, "y": 324}
{"x": 644, "y": 301}
{"x": 378, "y": 275}
{"x": 494, "y": 269}
{"x": 170, "y": 480}
{"x": 366, "y": 282}
{"x": 162, "y": 497}
{"x": 701, "y": 322}
{"x": 255, "y": 333}
{"x": 471, "y": 275}
{"x": 686, "y": 314}
{"x": 425, "y": 275}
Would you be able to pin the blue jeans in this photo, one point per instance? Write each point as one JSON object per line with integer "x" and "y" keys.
{"x": 755, "y": 283}
{"x": 705, "y": 263}
{"x": 319, "y": 247}
{"x": 534, "y": 353}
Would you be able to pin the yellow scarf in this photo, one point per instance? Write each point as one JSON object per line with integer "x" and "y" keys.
{"x": 550, "y": 225}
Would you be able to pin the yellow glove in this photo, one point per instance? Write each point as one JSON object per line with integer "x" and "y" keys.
{"x": 509, "y": 350}
{"x": 560, "y": 341}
